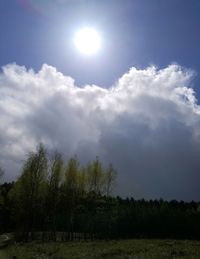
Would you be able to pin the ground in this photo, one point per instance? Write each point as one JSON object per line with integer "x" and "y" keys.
{"x": 119, "y": 249}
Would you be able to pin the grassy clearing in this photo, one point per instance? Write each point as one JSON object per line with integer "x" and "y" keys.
{"x": 122, "y": 249}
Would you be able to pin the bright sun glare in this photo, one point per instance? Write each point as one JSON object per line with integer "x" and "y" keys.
{"x": 87, "y": 41}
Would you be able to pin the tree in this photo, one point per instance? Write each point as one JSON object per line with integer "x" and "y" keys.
{"x": 71, "y": 175}
{"x": 29, "y": 192}
{"x": 1, "y": 173}
{"x": 70, "y": 190}
{"x": 110, "y": 177}
{"x": 82, "y": 181}
{"x": 95, "y": 177}
{"x": 54, "y": 182}
{"x": 6, "y": 223}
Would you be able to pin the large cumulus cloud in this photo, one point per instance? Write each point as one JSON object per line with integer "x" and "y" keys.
{"x": 147, "y": 125}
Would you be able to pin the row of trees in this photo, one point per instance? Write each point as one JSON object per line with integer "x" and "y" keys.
{"x": 49, "y": 193}
{"x": 53, "y": 197}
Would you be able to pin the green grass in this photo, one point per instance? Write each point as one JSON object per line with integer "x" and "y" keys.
{"x": 122, "y": 249}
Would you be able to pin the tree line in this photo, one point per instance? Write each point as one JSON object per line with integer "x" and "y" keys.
{"x": 51, "y": 196}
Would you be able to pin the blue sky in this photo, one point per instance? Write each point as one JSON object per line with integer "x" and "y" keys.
{"x": 135, "y": 33}
{"x": 135, "y": 103}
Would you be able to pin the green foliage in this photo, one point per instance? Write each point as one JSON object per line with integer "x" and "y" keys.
{"x": 50, "y": 195}
{"x": 30, "y": 190}
{"x": 56, "y": 166}
{"x": 71, "y": 176}
{"x": 110, "y": 178}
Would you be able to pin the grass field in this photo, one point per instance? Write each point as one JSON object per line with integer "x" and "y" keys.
{"x": 129, "y": 249}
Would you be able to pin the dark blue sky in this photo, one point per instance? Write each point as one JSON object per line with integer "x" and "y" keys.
{"x": 135, "y": 33}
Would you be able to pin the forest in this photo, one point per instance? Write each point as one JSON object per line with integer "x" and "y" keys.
{"x": 53, "y": 199}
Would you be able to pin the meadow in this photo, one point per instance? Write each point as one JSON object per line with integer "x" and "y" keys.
{"x": 119, "y": 249}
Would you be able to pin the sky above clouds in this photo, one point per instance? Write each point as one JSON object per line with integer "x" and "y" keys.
{"x": 134, "y": 104}
{"x": 135, "y": 33}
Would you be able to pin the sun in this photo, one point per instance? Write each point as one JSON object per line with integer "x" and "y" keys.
{"x": 87, "y": 41}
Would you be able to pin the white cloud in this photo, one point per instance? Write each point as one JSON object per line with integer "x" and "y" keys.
{"x": 147, "y": 125}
